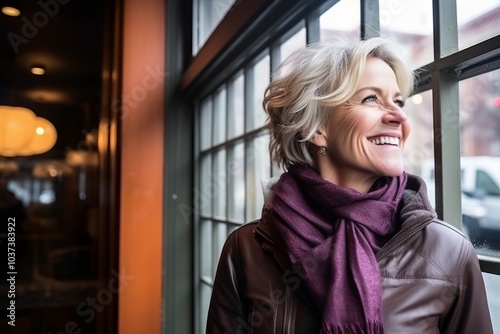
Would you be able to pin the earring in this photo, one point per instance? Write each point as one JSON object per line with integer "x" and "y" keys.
{"x": 322, "y": 151}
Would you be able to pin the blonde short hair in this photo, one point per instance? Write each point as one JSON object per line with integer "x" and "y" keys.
{"x": 318, "y": 78}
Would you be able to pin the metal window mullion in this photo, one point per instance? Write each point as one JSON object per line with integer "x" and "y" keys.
{"x": 447, "y": 148}
{"x": 197, "y": 219}
{"x": 446, "y": 116}
{"x": 248, "y": 101}
{"x": 313, "y": 31}
{"x": 370, "y": 19}
{"x": 445, "y": 26}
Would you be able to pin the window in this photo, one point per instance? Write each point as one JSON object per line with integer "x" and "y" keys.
{"x": 485, "y": 183}
{"x": 206, "y": 16}
{"x": 454, "y": 112}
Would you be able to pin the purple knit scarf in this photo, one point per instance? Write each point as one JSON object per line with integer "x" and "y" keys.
{"x": 331, "y": 235}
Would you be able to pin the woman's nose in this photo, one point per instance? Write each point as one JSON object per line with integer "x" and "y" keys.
{"x": 395, "y": 114}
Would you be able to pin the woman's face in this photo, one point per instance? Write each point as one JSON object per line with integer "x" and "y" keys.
{"x": 365, "y": 136}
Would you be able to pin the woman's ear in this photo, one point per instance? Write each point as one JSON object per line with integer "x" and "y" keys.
{"x": 319, "y": 138}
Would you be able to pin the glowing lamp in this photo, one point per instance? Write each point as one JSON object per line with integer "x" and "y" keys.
{"x": 44, "y": 138}
{"x": 17, "y": 128}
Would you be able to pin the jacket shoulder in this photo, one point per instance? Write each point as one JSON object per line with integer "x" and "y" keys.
{"x": 440, "y": 251}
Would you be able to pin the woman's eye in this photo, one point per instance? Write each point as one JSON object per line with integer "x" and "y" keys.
{"x": 400, "y": 103}
{"x": 371, "y": 98}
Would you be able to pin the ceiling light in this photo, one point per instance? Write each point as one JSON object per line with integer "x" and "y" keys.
{"x": 11, "y": 11}
{"x": 22, "y": 133}
{"x": 38, "y": 70}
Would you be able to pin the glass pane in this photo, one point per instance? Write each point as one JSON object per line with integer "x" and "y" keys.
{"x": 477, "y": 21}
{"x": 219, "y": 179}
{"x": 258, "y": 171}
{"x": 219, "y": 130}
{"x": 205, "y": 295}
{"x": 203, "y": 193}
{"x": 206, "y": 124}
{"x": 236, "y": 185}
{"x": 236, "y": 107}
{"x": 410, "y": 23}
{"x": 293, "y": 43}
{"x": 342, "y": 20}
{"x": 480, "y": 161}
{"x": 418, "y": 152}
{"x": 206, "y": 248}
{"x": 492, "y": 284}
{"x": 219, "y": 237}
{"x": 257, "y": 79}
{"x": 206, "y": 16}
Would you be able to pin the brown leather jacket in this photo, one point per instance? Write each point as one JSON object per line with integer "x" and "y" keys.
{"x": 431, "y": 280}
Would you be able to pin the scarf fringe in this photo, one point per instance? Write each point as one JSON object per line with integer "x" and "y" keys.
{"x": 370, "y": 328}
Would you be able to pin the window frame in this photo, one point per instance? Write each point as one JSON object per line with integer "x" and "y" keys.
{"x": 264, "y": 25}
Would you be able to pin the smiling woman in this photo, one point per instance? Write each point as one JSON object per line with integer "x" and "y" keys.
{"x": 346, "y": 235}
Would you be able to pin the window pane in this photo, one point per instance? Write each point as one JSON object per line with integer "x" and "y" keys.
{"x": 205, "y": 295}
{"x": 203, "y": 193}
{"x": 492, "y": 284}
{"x": 219, "y": 237}
{"x": 236, "y": 107}
{"x": 257, "y": 79}
{"x": 219, "y": 130}
{"x": 219, "y": 179}
{"x": 418, "y": 152}
{"x": 206, "y": 16}
{"x": 206, "y": 248}
{"x": 410, "y": 23}
{"x": 236, "y": 185}
{"x": 480, "y": 161}
{"x": 343, "y": 20}
{"x": 477, "y": 21}
{"x": 206, "y": 124}
{"x": 258, "y": 171}
{"x": 293, "y": 43}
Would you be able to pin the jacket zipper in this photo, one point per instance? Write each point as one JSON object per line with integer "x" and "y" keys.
{"x": 289, "y": 312}
{"x": 398, "y": 243}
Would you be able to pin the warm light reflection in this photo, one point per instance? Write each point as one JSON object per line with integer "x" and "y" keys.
{"x": 38, "y": 70}
{"x": 17, "y": 128}
{"x": 22, "y": 133}
{"x": 11, "y": 11}
{"x": 44, "y": 140}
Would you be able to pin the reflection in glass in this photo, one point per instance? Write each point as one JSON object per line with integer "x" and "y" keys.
{"x": 477, "y": 21}
{"x": 410, "y": 23}
{"x": 480, "y": 161}
{"x": 341, "y": 20}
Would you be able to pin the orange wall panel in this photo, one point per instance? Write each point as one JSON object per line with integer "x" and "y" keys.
{"x": 142, "y": 162}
